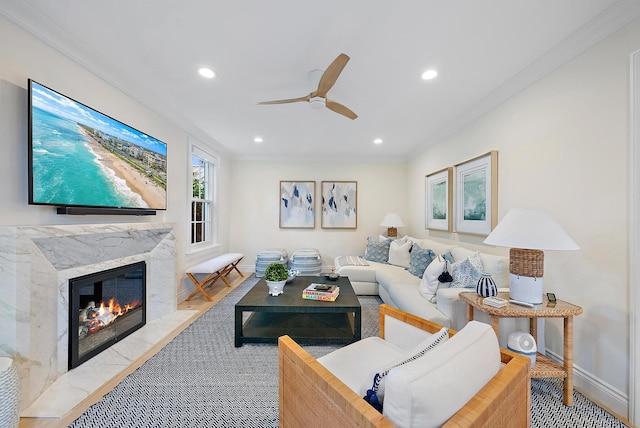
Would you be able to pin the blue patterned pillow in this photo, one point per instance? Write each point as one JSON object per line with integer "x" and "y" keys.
{"x": 420, "y": 259}
{"x": 377, "y": 251}
{"x": 467, "y": 272}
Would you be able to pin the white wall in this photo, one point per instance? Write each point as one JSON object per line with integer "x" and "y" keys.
{"x": 22, "y": 56}
{"x": 255, "y": 196}
{"x": 563, "y": 145}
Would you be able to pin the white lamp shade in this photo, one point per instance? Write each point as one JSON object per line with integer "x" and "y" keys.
{"x": 392, "y": 220}
{"x": 531, "y": 229}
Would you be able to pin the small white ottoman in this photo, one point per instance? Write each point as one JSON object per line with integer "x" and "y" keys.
{"x": 9, "y": 394}
{"x": 265, "y": 257}
{"x": 307, "y": 261}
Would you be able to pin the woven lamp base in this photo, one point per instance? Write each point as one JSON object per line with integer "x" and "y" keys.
{"x": 392, "y": 232}
{"x": 528, "y": 263}
{"x": 526, "y": 268}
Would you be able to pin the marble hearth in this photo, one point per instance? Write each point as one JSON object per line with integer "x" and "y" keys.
{"x": 36, "y": 264}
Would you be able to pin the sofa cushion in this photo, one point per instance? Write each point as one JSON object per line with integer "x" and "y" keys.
{"x": 428, "y": 391}
{"x": 399, "y": 253}
{"x": 402, "y": 288}
{"x": 497, "y": 266}
{"x": 435, "y": 246}
{"x": 420, "y": 259}
{"x": 429, "y": 283}
{"x": 377, "y": 251}
{"x": 467, "y": 272}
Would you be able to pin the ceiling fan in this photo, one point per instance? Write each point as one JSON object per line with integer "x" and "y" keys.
{"x": 318, "y": 98}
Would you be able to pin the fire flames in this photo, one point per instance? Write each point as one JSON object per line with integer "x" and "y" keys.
{"x": 95, "y": 318}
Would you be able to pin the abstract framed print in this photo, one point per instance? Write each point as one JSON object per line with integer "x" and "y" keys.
{"x": 339, "y": 204}
{"x": 297, "y": 204}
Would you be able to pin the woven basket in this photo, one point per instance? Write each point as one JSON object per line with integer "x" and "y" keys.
{"x": 9, "y": 394}
{"x": 529, "y": 263}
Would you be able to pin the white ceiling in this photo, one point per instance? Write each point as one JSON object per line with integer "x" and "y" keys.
{"x": 484, "y": 51}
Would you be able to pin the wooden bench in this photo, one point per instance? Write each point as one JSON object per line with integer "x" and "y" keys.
{"x": 216, "y": 268}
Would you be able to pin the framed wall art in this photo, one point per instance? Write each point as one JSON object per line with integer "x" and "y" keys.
{"x": 438, "y": 200}
{"x": 297, "y": 202}
{"x": 339, "y": 204}
{"x": 476, "y": 200}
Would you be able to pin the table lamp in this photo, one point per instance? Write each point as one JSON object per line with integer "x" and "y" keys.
{"x": 392, "y": 221}
{"x": 527, "y": 232}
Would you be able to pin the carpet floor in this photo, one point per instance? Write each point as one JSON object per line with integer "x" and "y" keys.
{"x": 201, "y": 380}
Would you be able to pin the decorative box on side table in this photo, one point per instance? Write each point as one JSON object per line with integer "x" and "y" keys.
{"x": 544, "y": 367}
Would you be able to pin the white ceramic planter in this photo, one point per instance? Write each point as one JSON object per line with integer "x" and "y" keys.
{"x": 275, "y": 287}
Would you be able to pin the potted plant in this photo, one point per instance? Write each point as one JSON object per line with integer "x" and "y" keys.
{"x": 276, "y": 275}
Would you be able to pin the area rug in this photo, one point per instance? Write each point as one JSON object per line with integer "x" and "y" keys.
{"x": 201, "y": 380}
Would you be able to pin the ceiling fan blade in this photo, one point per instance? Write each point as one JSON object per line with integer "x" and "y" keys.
{"x": 290, "y": 100}
{"x": 339, "y": 108}
{"x": 331, "y": 74}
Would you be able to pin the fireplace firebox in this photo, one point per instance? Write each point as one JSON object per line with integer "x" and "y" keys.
{"x": 105, "y": 307}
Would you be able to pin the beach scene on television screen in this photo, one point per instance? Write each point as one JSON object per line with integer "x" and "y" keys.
{"x": 82, "y": 157}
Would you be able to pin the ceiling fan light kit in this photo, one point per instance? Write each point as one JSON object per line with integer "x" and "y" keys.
{"x": 318, "y": 98}
{"x": 318, "y": 102}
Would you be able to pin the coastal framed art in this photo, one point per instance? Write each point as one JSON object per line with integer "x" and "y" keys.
{"x": 297, "y": 204}
{"x": 439, "y": 200}
{"x": 476, "y": 200}
{"x": 339, "y": 204}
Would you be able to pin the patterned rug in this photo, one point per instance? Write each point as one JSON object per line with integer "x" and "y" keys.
{"x": 201, "y": 380}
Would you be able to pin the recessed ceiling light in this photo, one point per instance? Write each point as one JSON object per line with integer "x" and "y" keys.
{"x": 429, "y": 74}
{"x": 258, "y": 140}
{"x": 207, "y": 72}
{"x": 378, "y": 141}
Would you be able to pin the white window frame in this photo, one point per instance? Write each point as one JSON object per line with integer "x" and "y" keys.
{"x": 199, "y": 150}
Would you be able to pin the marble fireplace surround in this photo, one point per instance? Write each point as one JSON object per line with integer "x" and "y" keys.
{"x": 36, "y": 263}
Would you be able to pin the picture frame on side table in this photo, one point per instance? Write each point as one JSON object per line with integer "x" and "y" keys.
{"x": 476, "y": 199}
{"x": 438, "y": 199}
{"x": 297, "y": 204}
{"x": 339, "y": 204}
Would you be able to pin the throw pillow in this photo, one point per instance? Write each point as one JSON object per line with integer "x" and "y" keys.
{"x": 399, "y": 253}
{"x": 448, "y": 257}
{"x": 377, "y": 251}
{"x": 420, "y": 259}
{"x": 467, "y": 272}
{"x": 429, "y": 283}
{"x": 375, "y": 395}
{"x": 402, "y": 240}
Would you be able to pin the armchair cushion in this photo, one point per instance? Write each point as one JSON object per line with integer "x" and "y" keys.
{"x": 355, "y": 362}
{"x": 427, "y": 391}
{"x": 375, "y": 393}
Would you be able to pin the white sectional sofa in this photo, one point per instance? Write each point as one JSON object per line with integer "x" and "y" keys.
{"x": 401, "y": 289}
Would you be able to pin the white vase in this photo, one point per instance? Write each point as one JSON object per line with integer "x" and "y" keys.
{"x": 275, "y": 287}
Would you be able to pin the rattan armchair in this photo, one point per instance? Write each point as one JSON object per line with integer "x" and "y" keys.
{"x": 311, "y": 396}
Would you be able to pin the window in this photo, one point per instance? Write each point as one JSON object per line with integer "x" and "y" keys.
{"x": 203, "y": 203}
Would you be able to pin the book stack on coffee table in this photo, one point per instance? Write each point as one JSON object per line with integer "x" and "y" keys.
{"x": 324, "y": 292}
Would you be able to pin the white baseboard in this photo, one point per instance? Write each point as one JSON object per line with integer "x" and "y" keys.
{"x": 247, "y": 268}
{"x": 597, "y": 390}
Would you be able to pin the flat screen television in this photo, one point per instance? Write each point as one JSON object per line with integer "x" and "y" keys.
{"x": 79, "y": 157}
